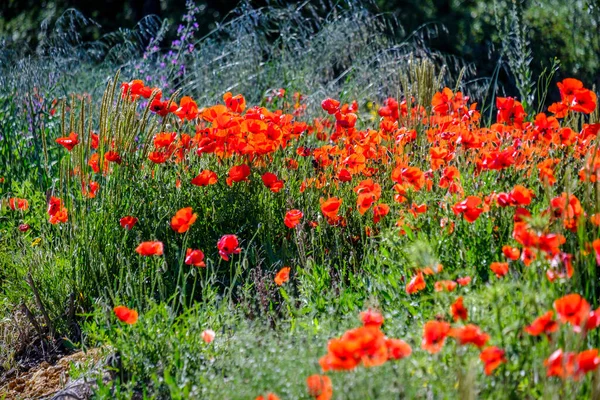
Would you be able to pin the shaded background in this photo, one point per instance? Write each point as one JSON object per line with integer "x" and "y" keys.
{"x": 565, "y": 29}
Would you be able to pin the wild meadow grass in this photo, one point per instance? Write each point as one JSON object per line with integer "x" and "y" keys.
{"x": 243, "y": 212}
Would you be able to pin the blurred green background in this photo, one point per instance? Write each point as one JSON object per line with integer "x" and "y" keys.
{"x": 473, "y": 30}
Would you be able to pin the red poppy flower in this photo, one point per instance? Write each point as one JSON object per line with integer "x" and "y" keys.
{"x": 371, "y": 318}
{"x": 344, "y": 175}
{"x": 499, "y": 268}
{"x": 24, "y": 227}
{"x": 587, "y": 361}
{"x": 593, "y": 320}
{"x": 330, "y": 105}
{"x": 238, "y": 173}
{"x": 228, "y": 245}
{"x": 183, "y": 219}
{"x": 126, "y": 315}
{"x": 560, "y": 364}
{"x": 18, "y": 204}
{"x": 573, "y": 309}
{"x": 319, "y": 387}
{"x": 470, "y": 334}
{"x": 270, "y": 181}
{"x": 195, "y": 258}
{"x": 468, "y": 208}
{"x": 397, "y": 349}
{"x": 162, "y": 108}
{"x": 68, "y": 142}
{"x": 205, "y": 178}
{"x": 464, "y": 281}
{"x": 113, "y": 156}
{"x": 434, "y": 335}
{"x": 282, "y": 276}
{"x": 584, "y": 101}
{"x": 150, "y": 249}
{"x": 56, "y": 211}
{"x": 492, "y": 357}
{"x": 544, "y": 324}
{"x": 128, "y": 222}
{"x": 292, "y": 218}
{"x": 54, "y": 205}
{"x": 458, "y": 310}
{"x": 416, "y": 284}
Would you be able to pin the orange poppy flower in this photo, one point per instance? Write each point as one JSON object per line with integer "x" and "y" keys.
{"x": 572, "y": 309}
{"x": 330, "y": 207}
{"x": 544, "y": 324}
{"x": 512, "y": 253}
{"x": 445, "y": 285}
{"x": 188, "y": 109}
{"x": 208, "y": 335}
{"x": 126, "y": 315}
{"x": 164, "y": 139}
{"x": 282, "y": 276}
{"x": 397, "y": 349}
{"x": 128, "y": 222}
{"x": 18, "y": 204}
{"x": 499, "y": 268}
{"x": 68, "y": 142}
{"x": 434, "y": 335}
{"x": 371, "y": 318}
{"x": 292, "y": 218}
{"x": 205, "y": 178}
{"x": 270, "y": 396}
{"x": 236, "y": 104}
{"x": 94, "y": 162}
{"x": 458, "y": 310}
{"x": 416, "y": 284}
{"x": 319, "y": 387}
{"x": 379, "y": 211}
{"x": 195, "y": 258}
{"x": 150, "y": 248}
{"x": 364, "y": 345}
{"x": 228, "y": 245}
{"x": 183, "y": 219}
{"x": 492, "y": 357}
{"x": 158, "y": 157}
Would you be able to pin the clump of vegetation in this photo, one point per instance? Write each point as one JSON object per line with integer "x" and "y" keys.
{"x": 324, "y": 211}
